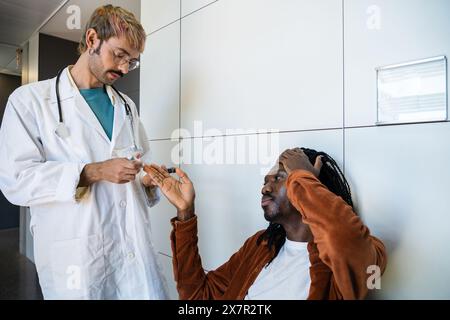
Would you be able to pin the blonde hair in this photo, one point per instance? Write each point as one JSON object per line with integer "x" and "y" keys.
{"x": 109, "y": 21}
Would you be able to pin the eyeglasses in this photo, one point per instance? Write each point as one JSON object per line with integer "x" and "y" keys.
{"x": 122, "y": 58}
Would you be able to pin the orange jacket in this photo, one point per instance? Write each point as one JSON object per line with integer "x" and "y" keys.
{"x": 340, "y": 253}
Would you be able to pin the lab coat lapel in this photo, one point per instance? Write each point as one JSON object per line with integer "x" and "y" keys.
{"x": 119, "y": 116}
{"x": 66, "y": 91}
{"x": 66, "y": 94}
{"x": 73, "y": 99}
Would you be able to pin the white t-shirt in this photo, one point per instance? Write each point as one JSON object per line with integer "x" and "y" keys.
{"x": 287, "y": 276}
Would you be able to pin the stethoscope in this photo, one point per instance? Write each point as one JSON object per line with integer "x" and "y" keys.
{"x": 62, "y": 131}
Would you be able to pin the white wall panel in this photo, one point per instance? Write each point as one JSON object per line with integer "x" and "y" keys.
{"x": 163, "y": 152}
{"x": 228, "y": 201}
{"x": 267, "y": 64}
{"x": 400, "y": 178}
{"x": 188, "y": 6}
{"x": 156, "y": 14}
{"x": 385, "y": 32}
{"x": 159, "y": 85}
{"x": 263, "y": 64}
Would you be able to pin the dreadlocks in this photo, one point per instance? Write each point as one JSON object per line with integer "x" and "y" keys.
{"x": 331, "y": 176}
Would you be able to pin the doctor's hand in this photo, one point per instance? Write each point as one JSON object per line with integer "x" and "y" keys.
{"x": 179, "y": 193}
{"x": 120, "y": 170}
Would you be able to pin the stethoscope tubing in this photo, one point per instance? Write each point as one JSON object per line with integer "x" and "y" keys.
{"x": 125, "y": 103}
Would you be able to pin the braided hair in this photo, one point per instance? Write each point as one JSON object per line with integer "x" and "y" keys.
{"x": 331, "y": 176}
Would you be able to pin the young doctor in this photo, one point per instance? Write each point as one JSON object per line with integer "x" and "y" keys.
{"x": 66, "y": 151}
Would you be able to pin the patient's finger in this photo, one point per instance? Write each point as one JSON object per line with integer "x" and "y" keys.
{"x": 148, "y": 181}
{"x": 153, "y": 170}
{"x": 153, "y": 173}
{"x": 183, "y": 176}
{"x": 149, "y": 169}
{"x": 160, "y": 170}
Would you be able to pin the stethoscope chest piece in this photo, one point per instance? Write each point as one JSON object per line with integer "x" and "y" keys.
{"x": 62, "y": 131}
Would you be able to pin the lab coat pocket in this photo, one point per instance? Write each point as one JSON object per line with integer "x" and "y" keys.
{"x": 78, "y": 267}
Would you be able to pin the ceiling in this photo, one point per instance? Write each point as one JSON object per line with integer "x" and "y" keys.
{"x": 20, "y": 19}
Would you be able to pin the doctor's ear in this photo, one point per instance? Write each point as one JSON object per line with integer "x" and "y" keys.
{"x": 92, "y": 41}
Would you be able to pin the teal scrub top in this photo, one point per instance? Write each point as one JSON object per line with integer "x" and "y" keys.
{"x": 101, "y": 105}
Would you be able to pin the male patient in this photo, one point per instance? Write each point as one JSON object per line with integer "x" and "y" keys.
{"x": 315, "y": 247}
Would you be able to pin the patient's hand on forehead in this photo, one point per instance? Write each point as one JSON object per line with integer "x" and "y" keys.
{"x": 296, "y": 159}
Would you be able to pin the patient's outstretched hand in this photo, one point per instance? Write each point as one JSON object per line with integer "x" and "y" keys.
{"x": 180, "y": 193}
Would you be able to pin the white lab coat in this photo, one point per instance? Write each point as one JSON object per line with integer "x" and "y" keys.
{"x": 89, "y": 243}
